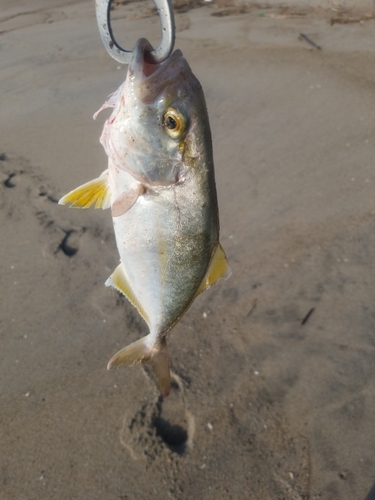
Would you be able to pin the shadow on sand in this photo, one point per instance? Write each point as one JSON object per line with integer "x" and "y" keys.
{"x": 371, "y": 494}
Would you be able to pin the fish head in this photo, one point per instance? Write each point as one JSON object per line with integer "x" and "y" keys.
{"x": 159, "y": 128}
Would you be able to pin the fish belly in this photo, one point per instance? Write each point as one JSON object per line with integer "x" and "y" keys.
{"x": 166, "y": 241}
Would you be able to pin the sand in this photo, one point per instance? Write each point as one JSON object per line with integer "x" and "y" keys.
{"x": 274, "y": 370}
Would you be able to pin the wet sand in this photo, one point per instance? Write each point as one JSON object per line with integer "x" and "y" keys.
{"x": 274, "y": 370}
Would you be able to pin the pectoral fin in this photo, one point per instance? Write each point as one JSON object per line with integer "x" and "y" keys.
{"x": 142, "y": 351}
{"x": 218, "y": 268}
{"x": 96, "y": 191}
{"x": 119, "y": 281}
{"x": 126, "y": 200}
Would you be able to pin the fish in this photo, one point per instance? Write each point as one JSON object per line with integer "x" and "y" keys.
{"x": 160, "y": 187}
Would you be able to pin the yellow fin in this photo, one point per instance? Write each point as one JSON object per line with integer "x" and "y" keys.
{"x": 155, "y": 355}
{"x": 84, "y": 196}
{"x": 119, "y": 281}
{"x": 218, "y": 268}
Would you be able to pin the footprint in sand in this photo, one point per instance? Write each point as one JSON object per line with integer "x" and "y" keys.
{"x": 11, "y": 181}
{"x": 25, "y": 193}
{"x": 71, "y": 241}
{"x": 173, "y": 423}
{"x": 162, "y": 427}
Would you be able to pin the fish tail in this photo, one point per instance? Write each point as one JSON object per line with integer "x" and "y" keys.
{"x": 154, "y": 354}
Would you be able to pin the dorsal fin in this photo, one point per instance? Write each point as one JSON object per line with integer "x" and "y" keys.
{"x": 218, "y": 268}
{"x": 95, "y": 191}
{"x": 119, "y": 281}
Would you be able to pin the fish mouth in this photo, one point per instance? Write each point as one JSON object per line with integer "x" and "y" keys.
{"x": 151, "y": 79}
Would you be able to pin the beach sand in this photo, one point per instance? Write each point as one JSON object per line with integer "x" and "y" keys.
{"x": 274, "y": 370}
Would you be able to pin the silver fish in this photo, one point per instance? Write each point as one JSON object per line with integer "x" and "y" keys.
{"x": 160, "y": 186}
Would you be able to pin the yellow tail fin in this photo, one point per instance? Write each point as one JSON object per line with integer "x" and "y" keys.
{"x": 155, "y": 355}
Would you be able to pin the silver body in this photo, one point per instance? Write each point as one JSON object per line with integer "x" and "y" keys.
{"x": 166, "y": 240}
{"x": 160, "y": 186}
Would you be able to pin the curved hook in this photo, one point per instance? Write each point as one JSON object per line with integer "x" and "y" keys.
{"x": 156, "y": 56}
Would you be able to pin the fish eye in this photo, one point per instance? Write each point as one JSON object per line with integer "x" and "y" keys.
{"x": 170, "y": 123}
{"x": 174, "y": 123}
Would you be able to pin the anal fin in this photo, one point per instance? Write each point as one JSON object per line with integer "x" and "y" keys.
{"x": 218, "y": 268}
{"x": 119, "y": 281}
{"x": 95, "y": 191}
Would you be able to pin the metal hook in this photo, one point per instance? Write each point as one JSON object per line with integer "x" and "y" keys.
{"x": 156, "y": 56}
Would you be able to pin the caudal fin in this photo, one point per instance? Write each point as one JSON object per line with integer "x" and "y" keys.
{"x": 142, "y": 351}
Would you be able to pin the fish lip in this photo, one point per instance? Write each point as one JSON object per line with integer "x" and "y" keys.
{"x": 145, "y": 70}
